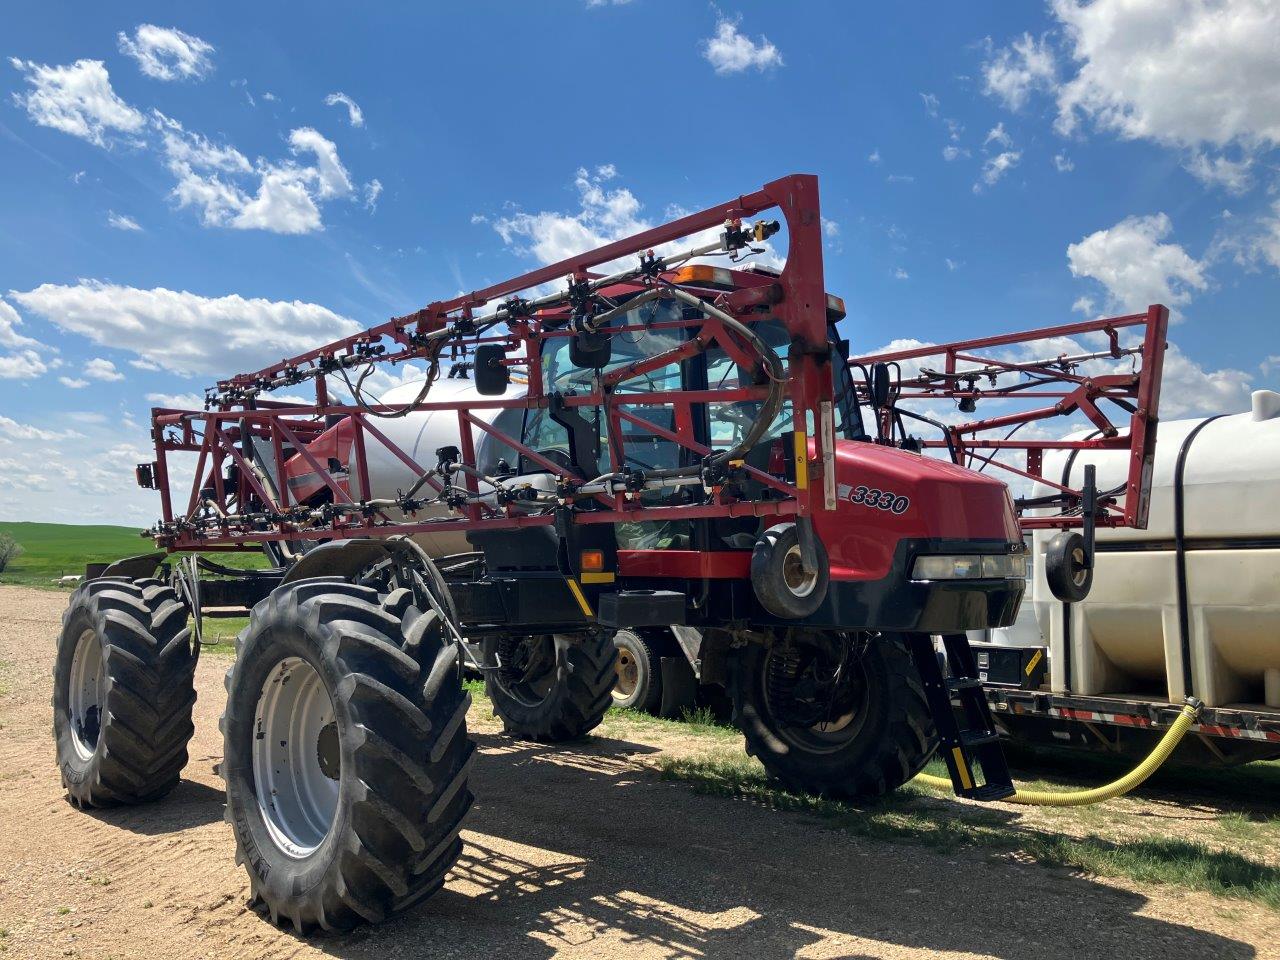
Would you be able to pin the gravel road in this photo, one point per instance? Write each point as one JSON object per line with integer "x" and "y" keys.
{"x": 574, "y": 852}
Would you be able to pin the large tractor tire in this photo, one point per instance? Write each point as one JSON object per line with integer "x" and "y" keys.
{"x": 551, "y": 688}
{"x": 345, "y": 753}
{"x": 123, "y": 691}
{"x": 833, "y": 716}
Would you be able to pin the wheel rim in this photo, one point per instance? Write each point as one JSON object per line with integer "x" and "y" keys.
{"x": 828, "y": 735}
{"x": 628, "y": 675}
{"x": 297, "y": 764}
{"x": 799, "y": 583}
{"x": 1079, "y": 571}
{"x": 528, "y": 673}
{"x": 86, "y": 694}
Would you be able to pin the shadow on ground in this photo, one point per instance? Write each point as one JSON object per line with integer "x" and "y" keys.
{"x": 573, "y": 846}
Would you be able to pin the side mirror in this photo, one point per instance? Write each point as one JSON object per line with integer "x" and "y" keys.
{"x": 491, "y": 374}
{"x": 881, "y": 383}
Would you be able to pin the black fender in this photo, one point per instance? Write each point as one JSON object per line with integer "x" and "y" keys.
{"x": 131, "y": 568}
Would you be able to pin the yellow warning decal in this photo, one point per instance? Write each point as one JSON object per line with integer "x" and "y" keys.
{"x": 589, "y": 577}
{"x": 802, "y": 459}
{"x": 1034, "y": 660}
{"x": 966, "y": 780}
{"x": 577, "y": 595}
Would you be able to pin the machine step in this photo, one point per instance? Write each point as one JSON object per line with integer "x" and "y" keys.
{"x": 968, "y": 739}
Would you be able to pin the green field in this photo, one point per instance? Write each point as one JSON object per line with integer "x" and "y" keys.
{"x": 53, "y": 550}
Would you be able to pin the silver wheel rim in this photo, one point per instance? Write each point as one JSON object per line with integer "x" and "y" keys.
{"x": 86, "y": 694}
{"x": 799, "y": 583}
{"x": 296, "y": 762}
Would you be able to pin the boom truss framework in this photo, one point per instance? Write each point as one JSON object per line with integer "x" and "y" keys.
{"x": 258, "y": 435}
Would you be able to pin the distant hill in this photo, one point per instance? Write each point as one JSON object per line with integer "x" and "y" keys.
{"x": 52, "y": 550}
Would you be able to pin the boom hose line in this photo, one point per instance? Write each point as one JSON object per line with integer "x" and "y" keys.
{"x": 1117, "y": 788}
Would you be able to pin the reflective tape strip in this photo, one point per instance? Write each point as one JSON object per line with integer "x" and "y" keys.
{"x": 577, "y": 595}
{"x": 802, "y": 460}
{"x": 588, "y": 577}
{"x": 962, "y": 765}
{"x": 1034, "y": 660}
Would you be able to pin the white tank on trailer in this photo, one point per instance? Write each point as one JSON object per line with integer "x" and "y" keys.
{"x": 1200, "y": 594}
{"x": 421, "y": 434}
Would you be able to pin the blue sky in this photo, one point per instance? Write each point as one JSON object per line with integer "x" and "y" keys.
{"x": 187, "y": 192}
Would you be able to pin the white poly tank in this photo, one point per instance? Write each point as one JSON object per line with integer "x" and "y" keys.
{"x": 1160, "y": 603}
{"x": 421, "y": 434}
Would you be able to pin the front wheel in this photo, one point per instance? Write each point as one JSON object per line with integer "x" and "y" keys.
{"x": 123, "y": 692}
{"x": 345, "y": 753}
{"x": 551, "y": 688}
{"x": 834, "y": 714}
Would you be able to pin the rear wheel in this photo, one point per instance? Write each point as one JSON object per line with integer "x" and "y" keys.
{"x": 345, "y": 753}
{"x": 639, "y": 669}
{"x": 551, "y": 688}
{"x": 839, "y": 715}
{"x": 123, "y": 692}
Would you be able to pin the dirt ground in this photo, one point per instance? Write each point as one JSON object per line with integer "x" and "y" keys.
{"x": 577, "y": 852}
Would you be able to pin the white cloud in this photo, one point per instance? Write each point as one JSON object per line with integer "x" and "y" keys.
{"x": 732, "y": 52}
{"x": 23, "y": 431}
{"x": 73, "y": 383}
{"x": 22, "y": 365}
{"x": 100, "y": 369}
{"x": 952, "y": 265}
{"x": 121, "y": 222}
{"x": 604, "y": 215}
{"x": 996, "y": 167}
{"x": 874, "y": 156}
{"x": 999, "y": 136}
{"x": 830, "y": 227}
{"x": 930, "y": 103}
{"x": 144, "y": 365}
{"x": 183, "y": 332}
{"x": 166, "y": 53}
{"x": 951, "y": 152}
{"x": 1135, "y": 267}
{"x": 1062, "y": 163}
{"x": 179, "y": 401}
{"x": 288, "y": 194}
{"x": 372, "y": 191}
{"x": 1233, "y": 176}
{"x": 334, "y": 181}
{"x": 9, "y": 335}
{"x": 1263, "y": 244}
{"x": 354, "y": 114}
{"x": 1013, "y": 73}
{"x": 899, "y": 178}
{"x": 900, "y": 274}
{"x": 76, "y": 99}
{"x": 1186, "y": 388}
{"x": 1182, "y": 72}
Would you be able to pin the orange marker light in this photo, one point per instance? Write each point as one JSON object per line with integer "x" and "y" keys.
{"x": 593, "y": 560}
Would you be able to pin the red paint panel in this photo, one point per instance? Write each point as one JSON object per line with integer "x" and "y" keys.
{"x": 689, "y": 564}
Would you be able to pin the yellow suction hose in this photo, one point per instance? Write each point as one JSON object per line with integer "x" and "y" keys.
{"x": 1117, "y": 788}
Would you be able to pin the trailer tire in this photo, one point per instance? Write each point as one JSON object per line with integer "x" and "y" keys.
{"x": 123, "y": 692}
{"x": 565, "y": 699}
{"x": 345, "y": 754}
{"x": 639, "y": 669}
{"x": 780, "y": 584}
{"x": 888, "y": 739}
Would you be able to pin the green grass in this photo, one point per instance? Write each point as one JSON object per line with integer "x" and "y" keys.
{"x": 909, "y": 815}
{"x": 53, "y": 550}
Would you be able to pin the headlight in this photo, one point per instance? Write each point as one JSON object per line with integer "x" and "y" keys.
{"x": 986, "y": 566}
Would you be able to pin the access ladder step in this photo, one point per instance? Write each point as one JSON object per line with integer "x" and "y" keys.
{"x": 968, "y": 739}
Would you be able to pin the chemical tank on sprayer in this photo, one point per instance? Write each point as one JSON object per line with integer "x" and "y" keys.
{"x": 1191, "y": 604}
